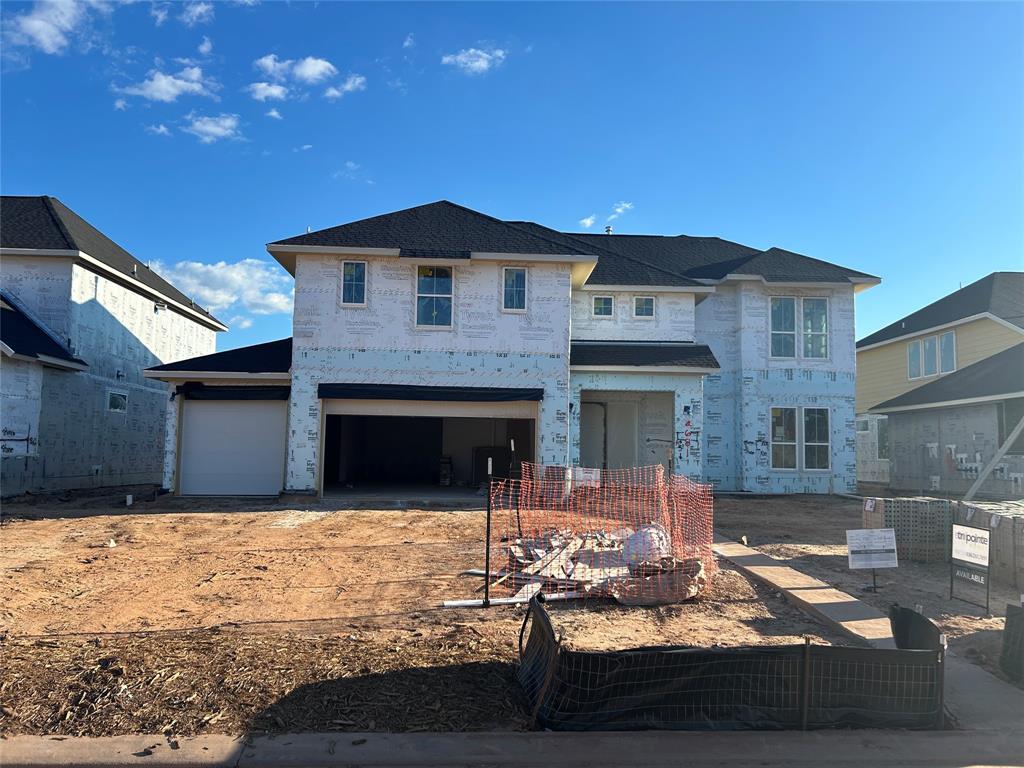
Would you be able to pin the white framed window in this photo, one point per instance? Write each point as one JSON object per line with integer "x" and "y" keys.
{"x": 814, "y": 312}
{"x": 930, "y": 356}
{"x": 816, "y": 439}
{"x": 863, "y": 425}
{"x": 117, "y": 402}
{"x": 783, "y": 438}
{"x": 603, "y": 306}
{"x": 353, "y": 283}
{"x": 513, "y": 298}
{"x": 882, "y": 451}
{"x": 643, "y": 306}
{"x": 434, "y": 297}
{"x": 914, "y": 360}
{"x": 783, "y": 319}
{"x": 947, "y": 352}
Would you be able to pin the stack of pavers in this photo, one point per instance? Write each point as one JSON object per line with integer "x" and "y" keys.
{"x": 1005, "y": 521}
{"x": 922, "y": 524}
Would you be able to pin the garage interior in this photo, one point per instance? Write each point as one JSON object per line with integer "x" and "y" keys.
{"x": 364, "y": 452}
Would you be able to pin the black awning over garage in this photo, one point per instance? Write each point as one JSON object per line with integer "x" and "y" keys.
{"x": 411, "y": 392}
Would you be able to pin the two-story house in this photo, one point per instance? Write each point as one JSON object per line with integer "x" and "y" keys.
{"x": 940, "y": 390}
{"x": 81, "y": 318}
{"x": 428, "y": 339}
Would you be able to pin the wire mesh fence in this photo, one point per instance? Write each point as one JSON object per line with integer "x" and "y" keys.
{"x": 769, "y": 687}
{"x": 575, "y": 533}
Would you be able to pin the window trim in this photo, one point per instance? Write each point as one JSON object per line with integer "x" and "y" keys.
{"x": 772, "y": 442}
{"x": 417, "y": 294}
{"x": 795, "y": 331}
{"x": 803, "y": 438}
{"x": 123, "y": 394}
{"x": 526, "y": 291}
{"x": 366, "y": 272}
{"x": 654, "y": 308}
{"x": 593, "y": 306}
{"x": 826, "y": 334}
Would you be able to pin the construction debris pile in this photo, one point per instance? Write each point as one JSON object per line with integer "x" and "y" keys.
{"x": 632, "y": 535}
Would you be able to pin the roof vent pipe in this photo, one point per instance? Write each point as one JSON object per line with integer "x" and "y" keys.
{"x": 608, "y": 229}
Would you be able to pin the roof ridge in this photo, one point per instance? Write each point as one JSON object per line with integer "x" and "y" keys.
{"x": 634, "y": 259}
{"x": 61, "y": 226}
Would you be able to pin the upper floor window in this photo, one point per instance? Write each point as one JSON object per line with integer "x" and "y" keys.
{"x": 514, "y": 295}
{"x": 434, "y": 296}
{"x": 603, "y": 306}
{"x": 353, "y": 282}
{"x": 815, "y": 325}
{"x": 783, "y": 326}
{"x": 932, "y": 355}
{"x": 117, "y": 402}
{"x": 643, "y": 306}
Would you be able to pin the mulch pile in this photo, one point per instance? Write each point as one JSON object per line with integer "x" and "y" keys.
{"x": 210, "y": 681}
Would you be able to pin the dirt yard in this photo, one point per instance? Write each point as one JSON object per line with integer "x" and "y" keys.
{"x": 189, "y": 617}
{"x": 809, "y": 534}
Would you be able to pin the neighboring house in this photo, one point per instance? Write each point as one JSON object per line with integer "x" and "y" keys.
{"x": 427, "y": 339}
{"x": 963, "y": 328}
{"x": 81, "y": 319}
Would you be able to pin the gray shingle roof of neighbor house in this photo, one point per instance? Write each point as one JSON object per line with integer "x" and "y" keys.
{"x": 444, "y": 229}
{"x": 45, "y": 223}
{"x": 644, "y": 353}
{"x": 268, "y": 357}
{"x": 1000, "y": 294}
{"x": 24, "y": 337}
{"x": 997, "y": 376}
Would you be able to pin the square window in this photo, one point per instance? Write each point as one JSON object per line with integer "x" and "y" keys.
{"x": 914, "y": 360}
{"x": 353, "y": 282}
{"x": 947, "y": 352}
{"x": 117, "y": 402}
{"x": 434, "y": 296}
{"x": 783, "y": 438}
{"x": 783, "y": 321}
{"x": 514, "y": 295}
{"x": 603, "y": 306}
{"x": 643, "y": 306}
{"x": 929, "y": 356}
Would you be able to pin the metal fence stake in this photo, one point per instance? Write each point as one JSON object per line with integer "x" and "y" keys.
{"x": 487, "y": 544}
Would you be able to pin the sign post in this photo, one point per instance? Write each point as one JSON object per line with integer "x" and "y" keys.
{"x": 871, "y": 548}
{"x": 968, "y": 561}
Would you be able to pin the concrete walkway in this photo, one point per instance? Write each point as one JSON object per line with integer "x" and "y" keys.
{"x": 975, "y": 699}
{"x": 652, "y": 749}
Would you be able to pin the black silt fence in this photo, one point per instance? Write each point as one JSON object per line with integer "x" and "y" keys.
{"x": 1012, "y": 658}
{"x": 770, "y": 687}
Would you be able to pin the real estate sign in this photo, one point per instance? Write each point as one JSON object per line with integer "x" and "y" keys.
{"x": 968, "y": 567}
{"x": 971, "y": 545}
{"x": 872, "y": 548}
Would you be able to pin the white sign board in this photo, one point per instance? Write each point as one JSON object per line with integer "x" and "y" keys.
{"x": 585, "y": 477}
{"x": 872, "y": 548}
{"x": 970, "y": 545}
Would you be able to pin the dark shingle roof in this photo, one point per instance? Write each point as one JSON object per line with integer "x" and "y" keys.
{"x": 656, "y": 353}
{"x": 440, "y": 229}
{"x": 1001, "y": 293}
{"x": 45, "y": 223}
{"x": 25, "y": 337}
{"x": 268, "y": 357}
{"x": 1000, "y": 374}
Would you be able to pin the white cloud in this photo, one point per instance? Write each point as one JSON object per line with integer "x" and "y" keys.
{"x": 475, "y": 61}
{"x": 50, "y": 25}
{"x": 206, "y": 46}
{"x": 588, "y": 221}
{"x": 158, "y": 130}
{"x": 196, "y": 13}
{"x": 209, "y": 129}
{"x": 240, "y": 322}
{"x": 352, "y": 83}
{"x": 313, "y": 70}
{"x": 303, "y": 148}
{"x": 618, "y": 209}
{"x": 275, "y": 114}
{"x": 409, "y": 41}
{"x": 267, "y": 91}
{"x": 159, "y": 12}
{"x": 120, "y": 105}
{"x": 248, "y": 285}
{"x": 352, "y": 171}
{"x": 159, "y": 86}
{"x": 273, "y": 67}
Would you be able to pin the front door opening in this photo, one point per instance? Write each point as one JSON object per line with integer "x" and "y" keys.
{"x": 621, "y": 429}
{"x": 430, "y": 451}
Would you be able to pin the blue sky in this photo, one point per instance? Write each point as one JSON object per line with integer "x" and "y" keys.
{"x": 884, "y": 137}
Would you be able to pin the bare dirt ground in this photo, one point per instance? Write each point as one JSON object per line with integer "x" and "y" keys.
{"x": 268, "y": 616}
{"x": 809, "y": 534}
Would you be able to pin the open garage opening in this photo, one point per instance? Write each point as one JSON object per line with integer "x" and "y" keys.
{"x": 371, "y": 453}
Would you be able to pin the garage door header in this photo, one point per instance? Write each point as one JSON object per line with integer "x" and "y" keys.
{"x": 411, "y": 392}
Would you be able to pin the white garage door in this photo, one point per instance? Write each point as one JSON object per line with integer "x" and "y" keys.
{"x": 233, "y": 447}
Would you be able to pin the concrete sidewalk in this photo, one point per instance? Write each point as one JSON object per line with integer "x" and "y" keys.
{"x": 974, "y": 698}
{"x": 652, "y": 749}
